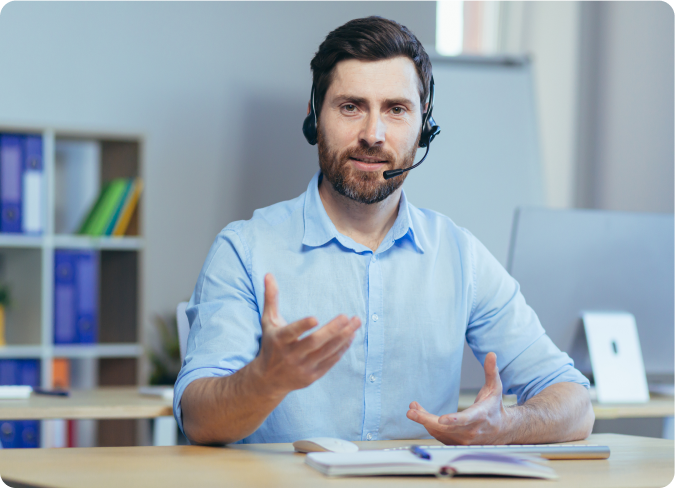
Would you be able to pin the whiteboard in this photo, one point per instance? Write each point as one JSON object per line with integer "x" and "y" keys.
{"x": 485, "y": 162}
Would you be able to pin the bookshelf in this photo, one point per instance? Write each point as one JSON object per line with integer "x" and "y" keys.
{"x": 76, "y": 164}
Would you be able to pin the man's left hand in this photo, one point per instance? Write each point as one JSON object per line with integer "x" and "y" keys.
{"x": 484, "y": 422}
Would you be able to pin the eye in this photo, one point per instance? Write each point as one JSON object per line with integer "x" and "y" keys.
{"x": 349, "y": 107}
{"x": 398, "y": 110}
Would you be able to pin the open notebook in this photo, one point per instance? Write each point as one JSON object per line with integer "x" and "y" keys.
{"x": 373, "y": 463}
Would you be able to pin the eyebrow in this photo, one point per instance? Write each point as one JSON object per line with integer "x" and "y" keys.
{"x": 349, "y": 98}
{"x": 399, "y": 101}
{"x": 363, "y": 101}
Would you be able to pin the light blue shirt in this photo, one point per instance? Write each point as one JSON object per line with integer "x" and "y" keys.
{"x": 429, "y": 286}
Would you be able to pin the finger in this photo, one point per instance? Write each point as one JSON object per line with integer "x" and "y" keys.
{"x": 423, "y": 417}
{"x": 327, "y": 363}
{"x": 326, "y": 333}
{"x": 270, "y": 314}
{"x": 461, "y": 419}
{"x": 330, "y": 347}
{"x": 417, "y": 406}
{"x": 492, "y": 379}
{"x": 485, "y": 393}
{"x": 291, "y": 332}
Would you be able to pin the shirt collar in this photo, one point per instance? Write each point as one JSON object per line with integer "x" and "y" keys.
{"x": 319, "y": 229}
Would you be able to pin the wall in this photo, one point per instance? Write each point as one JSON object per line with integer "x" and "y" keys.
{"x": 626, "y": 154}
{"x": 549, "y": 33}
{"x": 220, "y": 91}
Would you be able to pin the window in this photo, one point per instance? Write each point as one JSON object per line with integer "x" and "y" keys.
{"x": 467, "y": 27}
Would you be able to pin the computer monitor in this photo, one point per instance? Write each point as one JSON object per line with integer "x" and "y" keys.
{"x": 570, "y": 261}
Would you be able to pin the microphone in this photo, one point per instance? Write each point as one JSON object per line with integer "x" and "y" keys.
{"x": 396, "y": 172}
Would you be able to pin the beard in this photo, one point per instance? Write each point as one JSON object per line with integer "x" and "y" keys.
{"x": 361, "y": 186}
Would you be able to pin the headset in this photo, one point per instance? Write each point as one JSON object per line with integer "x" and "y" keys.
{"x": 429, "y": 130}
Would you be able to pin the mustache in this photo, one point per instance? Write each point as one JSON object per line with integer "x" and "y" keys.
{"x": 370, "y": 152}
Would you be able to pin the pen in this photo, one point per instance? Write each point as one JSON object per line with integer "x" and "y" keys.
{"x": 419, "y": 452}
{"x": 43, "y": 391}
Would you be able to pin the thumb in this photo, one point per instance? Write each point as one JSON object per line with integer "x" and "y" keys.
{"x": 270, "y": 314}
{"x": 492, "y": 379}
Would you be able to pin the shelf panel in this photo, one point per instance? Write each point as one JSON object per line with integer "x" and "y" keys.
{"x": 72, "y": 351}
{"x": 97, "y": 350}
{"x": 21, "y": 241}
{"x": 65, "y": 241}
{"x": 27, "y": 351}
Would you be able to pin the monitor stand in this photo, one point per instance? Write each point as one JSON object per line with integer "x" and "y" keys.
{"x": 608, "y": 346}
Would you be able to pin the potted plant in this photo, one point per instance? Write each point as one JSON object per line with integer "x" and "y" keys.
{"x": 165, "y": 356}
{"x": 4, "y": 304}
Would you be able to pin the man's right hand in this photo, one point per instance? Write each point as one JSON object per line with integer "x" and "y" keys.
{"x": 287, "y": 363}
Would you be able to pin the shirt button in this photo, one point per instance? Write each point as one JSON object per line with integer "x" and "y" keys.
{"x": 369, "y": 436}
{"x": 372, "y": 378}
{"x": 375, "y": 317}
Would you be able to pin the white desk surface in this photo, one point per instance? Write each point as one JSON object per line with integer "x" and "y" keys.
{"x": 127, "y": 402}
{"x": 100, "y": 403}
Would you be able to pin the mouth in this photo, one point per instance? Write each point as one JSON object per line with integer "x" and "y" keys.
{"x": 367, "y": 164}
{"x": 367, "y": 160}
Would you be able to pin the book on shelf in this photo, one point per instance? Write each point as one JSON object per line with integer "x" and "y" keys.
{"x": 121, "y": 223}
{"x": 61, "y": 373}
{"x": 64, "y": 432}
{"x": 10, "y": 183}
{"x": 32, "y": 181}
{"x": 76, "y": 287}
{"x": 20, "y": 433}
{"x": 111, "y": 213}
{"x": 21, "y": 183}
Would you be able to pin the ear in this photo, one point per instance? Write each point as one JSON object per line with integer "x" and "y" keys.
{"x": 309, "y": 107}
{"x": 426, "y": 107}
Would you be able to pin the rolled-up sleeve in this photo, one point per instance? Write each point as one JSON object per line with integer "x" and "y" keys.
{"x": 501, "y": 321}
{"x": 224, "y": 317}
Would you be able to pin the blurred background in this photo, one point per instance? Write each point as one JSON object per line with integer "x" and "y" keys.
{"x": 204, "y": 102}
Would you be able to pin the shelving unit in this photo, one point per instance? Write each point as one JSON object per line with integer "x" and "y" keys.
{"x": 27, "y": 263}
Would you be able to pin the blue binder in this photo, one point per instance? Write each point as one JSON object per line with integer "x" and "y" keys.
{"x": 32, "y": 185}
{"x": 11, "y": 169}
{"x": 75, "y": 296}
{"x": 20, "y": 433}
{"x": 64, "y": 297}
{"x": 86, "y": 280}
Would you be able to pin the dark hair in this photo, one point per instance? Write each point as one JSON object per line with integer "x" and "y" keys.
{"x": 369, "y": 39}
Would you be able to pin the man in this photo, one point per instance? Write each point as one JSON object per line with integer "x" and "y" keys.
{"x": 258, "y": 367}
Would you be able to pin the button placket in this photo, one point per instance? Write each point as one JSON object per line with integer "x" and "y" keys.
{"x": 375, "y": 352}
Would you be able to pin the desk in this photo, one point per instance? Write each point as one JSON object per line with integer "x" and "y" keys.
{"x": 127, "y": 403}
{"x": 100, "y": 403}
{"x": 658, "y": 406}
{"x": 634, "y": 462}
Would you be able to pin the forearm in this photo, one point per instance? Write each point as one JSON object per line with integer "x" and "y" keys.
{"x": 561, "y": 412}
{"x": 227, "y": 409}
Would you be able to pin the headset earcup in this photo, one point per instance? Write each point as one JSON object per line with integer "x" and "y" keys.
{"x": 309, "y": 128}
{"x": 429, "y": 131}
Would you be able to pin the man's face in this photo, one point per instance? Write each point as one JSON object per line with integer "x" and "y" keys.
{"x": 370, "y": 122}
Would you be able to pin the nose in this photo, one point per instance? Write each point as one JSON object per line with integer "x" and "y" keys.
{"x": 374, "y": 130}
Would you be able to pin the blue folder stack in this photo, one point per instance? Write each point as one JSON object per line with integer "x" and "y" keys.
{"x": 20, "y": 433}
{"x": 21, "y": 183}
{"x": 76, "y": 296}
